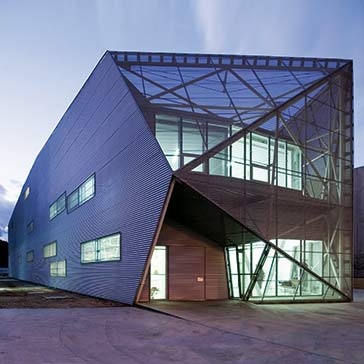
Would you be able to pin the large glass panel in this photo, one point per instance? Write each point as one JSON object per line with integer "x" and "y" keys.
{"x": 194, "y": 137}
{"x": 219, "y": 164}
{"x": 259, "y": 157}
{"x": 217, "y": 134}
{"x": 234, "y": 271}
{"x": 280, "y": 278}
{"x": 237, "y": 159}
{"x": 167, "y": 133}
{"x": 294, "y": 167}
{"x": 158, "y": 273}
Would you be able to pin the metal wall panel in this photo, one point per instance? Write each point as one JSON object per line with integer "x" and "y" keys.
{"x": 358, "y": 221}
{"x": 103, "y": 132}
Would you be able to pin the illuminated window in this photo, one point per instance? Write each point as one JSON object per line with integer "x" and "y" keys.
{"x": 57, "y": 207}
{"x": 82, "y": 194}
{"x": 30, "y": 256}
{"x": 58, "y": 269}
{"x": 50, "y": 250}
{"x": 101, "y": 250}
{"x": 26, "y": 193}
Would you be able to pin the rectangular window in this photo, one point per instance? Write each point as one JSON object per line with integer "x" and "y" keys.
{"x": 101, "y": 250}
{"x": 167, "y": 133}
{"x": 58, "y": 269}
{"x": 26, "y": 193}
{"x": 57, "y": 207}
{"x": 30, "y": 256}
{"x": 50, "y": 250}
{"x": 82, "y": 194}
{"x": 30, "y": 227}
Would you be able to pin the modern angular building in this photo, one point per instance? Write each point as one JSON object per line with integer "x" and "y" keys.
{"x": 195, "y": 177}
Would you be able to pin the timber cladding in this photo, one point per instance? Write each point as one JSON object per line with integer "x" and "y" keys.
{"x": 196, "y": 266}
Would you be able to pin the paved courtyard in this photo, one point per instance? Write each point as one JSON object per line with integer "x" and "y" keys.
{"x": 210, "y": 332}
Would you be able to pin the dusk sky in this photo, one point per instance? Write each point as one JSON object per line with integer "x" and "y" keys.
{"x": 48, "y": 49}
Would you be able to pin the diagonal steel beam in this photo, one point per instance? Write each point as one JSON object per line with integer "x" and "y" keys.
{"x": 164, "y": 88}
{"x": 204, "y": 157}
{"x": 250, "y": 87}
{"x": 185, "y": 84}
{"x": 269, "y": 243}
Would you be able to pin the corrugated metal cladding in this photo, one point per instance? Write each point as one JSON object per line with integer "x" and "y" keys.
{"x": 102, "y": 132}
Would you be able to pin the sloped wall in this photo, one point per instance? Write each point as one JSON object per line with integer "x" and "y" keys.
{"x": 102, "y": 132}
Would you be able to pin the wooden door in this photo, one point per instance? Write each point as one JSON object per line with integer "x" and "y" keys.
{"x": 186, "y": 273}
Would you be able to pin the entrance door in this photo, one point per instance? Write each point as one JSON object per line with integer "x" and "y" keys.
{"x": 158, "y": 274}
{"x": 186, "y": 273}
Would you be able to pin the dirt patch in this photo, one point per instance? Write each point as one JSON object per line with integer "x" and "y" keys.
{"x": 18, "y": 294}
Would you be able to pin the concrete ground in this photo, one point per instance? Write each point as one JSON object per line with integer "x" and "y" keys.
{"x": 212, "y": 332}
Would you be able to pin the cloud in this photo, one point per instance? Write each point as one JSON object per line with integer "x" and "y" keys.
{"x": 4, "y": 233}
{"x": 6, "y": 208}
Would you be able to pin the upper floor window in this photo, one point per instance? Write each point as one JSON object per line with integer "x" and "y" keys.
{"x": 26, "y": 193}
{"x": 101, "y": 250}
{"x": 82, "y": 194}
{"x": 30, "y": 227}
{"x": 255, "y": 157}
{"x": 50, "y": 250}
{"x": 30, "y": 256}
{"x": 57, "y": 207}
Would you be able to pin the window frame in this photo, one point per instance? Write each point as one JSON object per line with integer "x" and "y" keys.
{"x": 30, "y": 253}
{"x": 58, "y": 262}
{"x": 97, "y": 251}
{"x": 26, "y": 192}
{"x": 30, "y": 227}
{"x": 77, "y": 189}
{"x": 56, "y": 202}
{"x": 48, "y": 244}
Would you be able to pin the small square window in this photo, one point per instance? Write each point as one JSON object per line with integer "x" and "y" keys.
{"x": 50, "y": 250}
{"x": 30, "y": 256}
{"x": 58, "y": 269}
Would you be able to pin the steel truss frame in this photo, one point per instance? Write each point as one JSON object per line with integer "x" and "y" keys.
{"x": 315, "y": 115}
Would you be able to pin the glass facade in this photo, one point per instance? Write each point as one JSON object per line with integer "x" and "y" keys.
{"x": 251, "y": 157}
{"x": 278, "y": 277}
{"x": 269, "y": 141}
